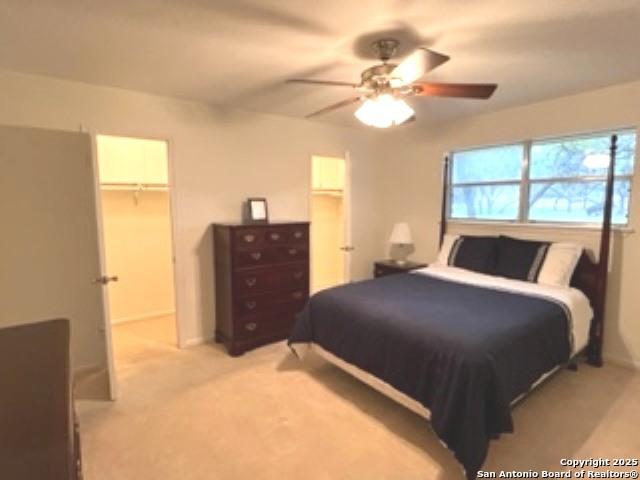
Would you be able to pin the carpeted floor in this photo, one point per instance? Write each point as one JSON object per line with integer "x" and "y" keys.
{"x": 134, "y": 342}
{"x": 198, "y": 414}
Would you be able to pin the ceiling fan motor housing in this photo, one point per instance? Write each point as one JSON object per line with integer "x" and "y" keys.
{"x": 378, "y": 76}
{"x": 386, "y": 48}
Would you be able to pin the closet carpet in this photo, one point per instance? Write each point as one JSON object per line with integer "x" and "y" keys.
{"x": 198, "y": 414}
{"x": 137, "y": 341}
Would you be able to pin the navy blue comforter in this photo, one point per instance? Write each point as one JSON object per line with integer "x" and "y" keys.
{"x": 464, "y": 352}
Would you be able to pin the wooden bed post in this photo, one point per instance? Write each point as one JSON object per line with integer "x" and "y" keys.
{"x": 590, "y": 277}
{"x": 445, "y": 193}
{"x": 594, "y": 353}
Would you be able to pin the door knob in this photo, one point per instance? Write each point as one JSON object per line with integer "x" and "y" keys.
{"x": 347, "y": 248}
{"x": 104, "y": 279}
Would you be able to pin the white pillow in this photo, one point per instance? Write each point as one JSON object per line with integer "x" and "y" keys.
{"x": 559, "y": 264}
{"x": 445, "y": 250}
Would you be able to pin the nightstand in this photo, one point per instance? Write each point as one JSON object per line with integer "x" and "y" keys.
{"x": 389, "y": 267}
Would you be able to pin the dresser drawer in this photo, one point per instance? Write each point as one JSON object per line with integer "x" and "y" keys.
{"x": 292, "y": 300}
{"x": 276, "y": 235}
{"x": 259, "y": 280}
{"x": 250, "y": 282}
{"x": 292, "y": 253}
{"x": 297, "y": 234}
{"x": 248, "y": 237}
{"x": 255, "y": 326}
{"x": 295, "y": 276}
{"x": 256, "y": 257}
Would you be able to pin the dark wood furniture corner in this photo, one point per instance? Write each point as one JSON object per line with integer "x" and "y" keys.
{"x": 383, "y": 268}
{"x": 262, "y": 282}
{"x": 39, "y": 437}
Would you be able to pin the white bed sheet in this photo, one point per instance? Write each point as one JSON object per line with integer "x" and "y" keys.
{"x": 575, "y": 301}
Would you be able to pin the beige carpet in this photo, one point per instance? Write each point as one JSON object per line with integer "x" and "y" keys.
{"x": 198, "y": 414}
{"x": 134, "y": 342}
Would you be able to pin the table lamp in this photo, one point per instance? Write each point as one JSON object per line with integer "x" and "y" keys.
{"x": 401, "y": 239}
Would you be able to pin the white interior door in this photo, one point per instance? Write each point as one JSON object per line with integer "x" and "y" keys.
{"x": 348, "y": 246}
{"x": 50, "y": 252}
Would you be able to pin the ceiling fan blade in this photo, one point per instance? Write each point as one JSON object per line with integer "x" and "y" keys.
{"x": 322, "y": 82}
{"x": 335, "y": 106}
{"x": 463, "y": 90}
{"x": 415, "y": 66}
{"x": 411, "y": 119}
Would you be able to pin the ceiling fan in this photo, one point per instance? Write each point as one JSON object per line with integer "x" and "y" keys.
{"x": 383, "y": 87}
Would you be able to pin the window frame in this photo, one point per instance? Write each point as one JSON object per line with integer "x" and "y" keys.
{"x": 525, "y": 181}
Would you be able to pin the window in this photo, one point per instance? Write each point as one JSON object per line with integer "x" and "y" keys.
{"x": 486, "y": 183}
{"x": 560, "y": 180}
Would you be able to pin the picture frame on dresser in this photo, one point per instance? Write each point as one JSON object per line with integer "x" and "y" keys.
{"x": 256, "y": 211}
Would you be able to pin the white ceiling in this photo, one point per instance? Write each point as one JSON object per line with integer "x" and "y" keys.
{"x": 239, "y": 52}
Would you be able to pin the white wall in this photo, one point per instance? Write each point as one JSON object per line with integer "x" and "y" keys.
{"x": 414, "y": 158}
{"x": 218, "y": 158}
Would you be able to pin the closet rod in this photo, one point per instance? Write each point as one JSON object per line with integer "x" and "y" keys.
{"x": 135, "y": 185}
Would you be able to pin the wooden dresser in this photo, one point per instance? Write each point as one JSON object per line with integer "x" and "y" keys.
{"x": 39, "y": 436}
{"x": 262, "y": 281}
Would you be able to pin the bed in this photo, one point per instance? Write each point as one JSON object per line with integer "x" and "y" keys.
{"x": 461, "y": 346}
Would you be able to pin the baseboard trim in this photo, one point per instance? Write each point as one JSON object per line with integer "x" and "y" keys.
{"x": 91, "y": 382}
{"x": 144, "y": 316}
{"x": 623, "y": 362}
{"x": 87, "y": 369}
{"x": 193, "y": 342}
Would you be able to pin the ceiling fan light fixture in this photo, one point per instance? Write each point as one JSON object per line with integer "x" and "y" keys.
{"x": 384, "y": 111}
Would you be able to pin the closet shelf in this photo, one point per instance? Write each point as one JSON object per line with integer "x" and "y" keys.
{"x": 327, "y": 191}
{"x": 133, "y": 187}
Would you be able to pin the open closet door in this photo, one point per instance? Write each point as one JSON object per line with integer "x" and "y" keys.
{"x": 50, "y": 256}
{"x": 348, "y": 246}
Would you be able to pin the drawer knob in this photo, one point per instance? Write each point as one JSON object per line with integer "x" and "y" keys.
{"x": 256, "y": 255}
{"x": 293, "y": 251}
{"x": 250, "y": 281}
{"x": 297, "y": 295}
{"x": 250, "y": 304}
{"x": 297, "y": 234}
{"x": 275, "y": 236}
{"x": 251, "y": 326}
{"x": 297, "y": 275}
{"x": 249, "y": 238}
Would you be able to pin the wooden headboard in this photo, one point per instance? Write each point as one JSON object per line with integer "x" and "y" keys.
{"x": 590, "y": 276}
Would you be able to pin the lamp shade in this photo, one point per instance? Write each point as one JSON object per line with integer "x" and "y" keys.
{"x": 384, "y": 111}
{"x": 401, "y": 235}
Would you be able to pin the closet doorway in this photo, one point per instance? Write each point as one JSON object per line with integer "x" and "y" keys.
{"x": 330, "y": 227}
{"x": 138, "y": 247}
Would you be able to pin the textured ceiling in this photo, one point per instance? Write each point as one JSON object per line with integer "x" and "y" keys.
{"x": 239, "y": 52}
